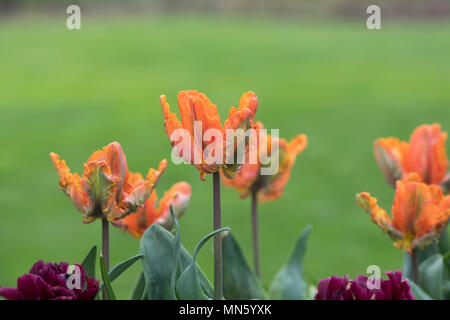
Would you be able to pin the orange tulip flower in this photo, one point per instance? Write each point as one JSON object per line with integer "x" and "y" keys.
{"x": 424, "y": 154}
{"x": 196, "y": 107}
{"x": 107, "y": 189}
{"x": 137, "y": 222}
{"x": 419, "y": 214}
{"x": 267, "y": 187}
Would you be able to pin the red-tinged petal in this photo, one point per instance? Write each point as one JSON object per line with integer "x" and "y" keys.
{"x": 73, "y": 186}
{"x": 117, "y": 163}
{"x": 390, "y": 154}
{"x": 178, "y": 197}
{"x": 427, "y": 155}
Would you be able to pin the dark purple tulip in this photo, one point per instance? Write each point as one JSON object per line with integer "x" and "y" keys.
{"x": 337, "y": 288}
{"x": 49, "y": 281}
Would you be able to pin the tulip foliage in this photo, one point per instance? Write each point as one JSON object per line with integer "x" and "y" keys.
{"x": 107, "y": 191}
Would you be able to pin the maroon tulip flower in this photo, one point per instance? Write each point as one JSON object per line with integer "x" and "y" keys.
{"x": 337, "y": 288}
{"x": 50, "y": 281}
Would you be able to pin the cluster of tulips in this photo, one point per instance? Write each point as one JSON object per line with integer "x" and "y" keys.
{"x": 109, "y": 192}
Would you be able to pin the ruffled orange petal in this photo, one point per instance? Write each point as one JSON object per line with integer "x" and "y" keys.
{"x": 420, "y": 211}
{"x": 72, "y": 185}
{"x": 136, "y": 223}
{"x": 273, "y": 186}
{"x": 245, "y": 179}
{"x": 427, "y": 155}
{"x": 377, "y": 215}
{"x": 241, "y": 118}
{"x": 390, "y": 154}
{"x": 143, "y": 189}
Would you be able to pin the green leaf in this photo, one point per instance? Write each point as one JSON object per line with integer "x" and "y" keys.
{"x": 444, "y": 245}
{"x": 176, "y": 251}
{"x": 239, "y": 281}
{"x": 158, "y": 249}
{"x": 106, "y": 280}
{"x": 119, "y": 268}
{"x": 88, "y": 263}
{"x": 422, "y": 255}
{"x": 188, "y": 285}
{"x": 431, "y": 276}
{"x": 417, "y": 292}
{"x": 139, "y": 288}
{"x": 289, "y": 283}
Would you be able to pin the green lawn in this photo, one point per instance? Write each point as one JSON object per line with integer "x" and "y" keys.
{"x": 73, "y": 92}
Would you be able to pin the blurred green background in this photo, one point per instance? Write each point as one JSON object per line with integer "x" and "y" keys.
{"x": 73, "y": 92}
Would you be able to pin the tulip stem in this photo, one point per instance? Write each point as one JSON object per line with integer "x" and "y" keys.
{"x": 415, "y": 266}
{"x": 255, "y": 235}
{"x": 218, "y": 281}
{"x": 105, "y": 249}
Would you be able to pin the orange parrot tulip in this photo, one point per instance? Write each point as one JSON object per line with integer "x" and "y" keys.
{"x": 198, "y": 115}
{"x": 137, "y": 222}
{"x": 424, "y": 154}
{"x": 419, "y": 214}
{"x": 107, "y": 189}
{"x": 267, "y": 187}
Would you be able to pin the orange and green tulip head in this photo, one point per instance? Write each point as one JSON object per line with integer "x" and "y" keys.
{"x": 424, "y": 154}
{"x": 419, "y": 214}
{"x": 137, "y": 222}
{"x": 198, "y": 117}
{"x": 267, "y": 187}
{"x": 107, "y": 189}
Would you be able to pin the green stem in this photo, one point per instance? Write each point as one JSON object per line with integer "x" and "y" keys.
{"x": 218, "y": 281}
{"x": 105, "y": 249}
{"x": 255, "y": 235}
{"x": 415, "y": 266}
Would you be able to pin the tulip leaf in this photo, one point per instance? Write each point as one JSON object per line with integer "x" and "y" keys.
{"x": 431, "y": 276}
{"x": 88, "y": 263}
{"x": 139, "y": 288}
{"x": 418, "y": 292}
{"x": 176, "y": 251}
{"x": 106, "y": 281}
{"x": 239, "y": 281}
{"x": 157, "y": 247}
{"x": 188, "y": 285}
{"x": 444, "y": 245}
{"x": 119, "y": 268}
{"x": 289, "y": 283}
{"x": 422, "y": 255}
